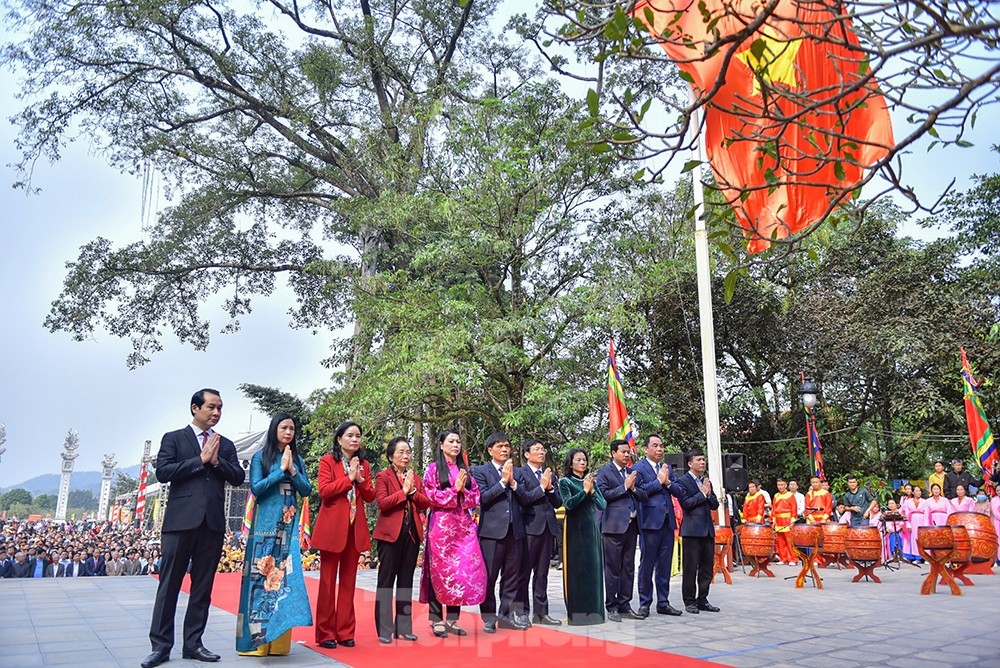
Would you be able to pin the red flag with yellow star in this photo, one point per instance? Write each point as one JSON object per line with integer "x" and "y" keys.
{"x": 783, "y": 151}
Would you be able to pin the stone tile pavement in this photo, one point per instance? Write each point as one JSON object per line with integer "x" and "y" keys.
{"x": 764, "y": 622}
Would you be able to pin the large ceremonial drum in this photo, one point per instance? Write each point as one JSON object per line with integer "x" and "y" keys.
{"x": 863, "y": 543}
{"x": 834, "y": 537}
{"x": 723, "y": 535}
{"x": 757, "y": 540}
{"x": 807, "y": 535}
{"x": 962, "y": 551}
{"x": 936, "y": 538}
{"x": 982, "y": 535}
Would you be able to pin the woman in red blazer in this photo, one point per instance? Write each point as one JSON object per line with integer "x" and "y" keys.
{"x": 399, "y": 493}
{"x": 341, "y": 534}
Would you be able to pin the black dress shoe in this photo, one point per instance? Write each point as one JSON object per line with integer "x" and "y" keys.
{"x": 406, "y": 636}
{"x": 523, "y": 620}
{"x": 546, "y": 620}
{"x": 156, "y": 658}
{"x": 347, "y": 643}
{"x": 629, "y": 613}
{"x": 328, "y": 644}
{"x": 385, "y": 640}
{"x": 457, "y": 630}
{"x": 201, "y": 654}
{"x": 490, "y": 627}
{"x": 668, "y": 610}
{"x": 511, "y": 623}
{"x": 708, "y": 607}
{"x": 643, "y": 611}
{"x": 613, "y": 616}
{"x": 691, "y": 609}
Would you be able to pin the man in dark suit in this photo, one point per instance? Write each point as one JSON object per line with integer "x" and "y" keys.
{"x": 619, "y": 530}
{"x": 21, "y": 567}
{"x": 501, "y": 536}
{"x": 197, "y": 462}
{"x": 541, "y": 498}
{"x": 657, "y": 524}
{"x": 75, "y": 568}
{"x": 697, "y": 533}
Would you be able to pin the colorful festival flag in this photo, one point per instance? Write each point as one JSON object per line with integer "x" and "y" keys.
{"x": 140, "y": 501}
{"x": 815, "y": 448}
{"x": 618, "y": 422}
{"x": 305, "y": 526}
{"x": 248, "y": 513}
{"x": 780, "y": 157}
{"x": 980, "y": 434}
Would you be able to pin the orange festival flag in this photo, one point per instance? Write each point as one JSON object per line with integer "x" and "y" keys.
{"x": 780, "y": 153}
{"x": 619, "y": 425}
{"x": 305, "y": 526}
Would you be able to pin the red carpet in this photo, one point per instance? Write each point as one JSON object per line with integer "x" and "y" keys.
{"x": 510, "y": 647}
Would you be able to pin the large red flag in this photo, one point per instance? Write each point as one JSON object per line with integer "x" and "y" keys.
{"x": 980, "y": 434}
{"x": 779, "y": 156}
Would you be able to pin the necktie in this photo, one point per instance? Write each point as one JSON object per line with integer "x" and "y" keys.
{"x": 538, "y": 475}
{"x": 350, "y": 493}
{"x": 204, "y": 439}
{"x": 622, "y": 472}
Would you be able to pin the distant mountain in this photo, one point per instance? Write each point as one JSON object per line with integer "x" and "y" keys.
{"x": 49, "y": 483}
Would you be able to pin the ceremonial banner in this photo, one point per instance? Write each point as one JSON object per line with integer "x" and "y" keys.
{"x": 781, "y": 152}
{"x": 305, "y": 526}
{"x": 980, "y": 434}
{"x": 815, "y": 448}
{"x": 140, "y": 501}
{"x": 618, "y": 422}
{"x": 248, "y": 513}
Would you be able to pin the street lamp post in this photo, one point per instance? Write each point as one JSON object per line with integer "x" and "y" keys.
{"x": 809, "y": 394}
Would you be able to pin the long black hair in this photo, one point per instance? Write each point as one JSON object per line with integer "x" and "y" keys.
{"x": 335, "y": 449}
{"x": 444, "y": 480}
{"x": 271, "y": 449}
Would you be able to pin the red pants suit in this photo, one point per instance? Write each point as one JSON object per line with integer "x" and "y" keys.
{"x": 340, "y": 542}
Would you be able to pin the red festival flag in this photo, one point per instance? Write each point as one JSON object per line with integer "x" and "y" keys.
{"x": 815, "y": 447}
{"x": 618, "y": 422}
{"x": 980, "y": 434}
{"x": 140, "y": 501}
{"x": 248, "y": 513}
{"x": 305, "y": 526}
{"x": 779, "y": 156}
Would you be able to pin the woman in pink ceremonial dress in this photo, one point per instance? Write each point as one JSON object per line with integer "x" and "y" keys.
{"x": 962, "y": 503}
{"x": 453, "y": 573}
{"x": 938, "y": 507}
{"x": 915, "y": 511}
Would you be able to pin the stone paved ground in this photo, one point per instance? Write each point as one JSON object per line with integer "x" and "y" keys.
{"x": 764, "y": 622}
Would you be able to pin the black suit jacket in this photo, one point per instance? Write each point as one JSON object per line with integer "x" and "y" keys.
{"x": 697, "y": 521}
{"x": 539, "y": 509}
{"x": 499, "y": 507}
{"x": 22, "y": 570}
{"x": 197, "y": 490}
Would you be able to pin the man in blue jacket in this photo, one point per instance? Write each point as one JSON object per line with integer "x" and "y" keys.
{"x": 657, "y": 524}
{"x": 698, "y": 500}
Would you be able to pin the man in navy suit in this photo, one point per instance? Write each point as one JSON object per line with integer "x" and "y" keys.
{"x": 540, "y": 498}
{"x": 697, "y": 533}
{"x": 657, "y": 524}
{"x": 619, "y": 530}
{"x": 501, "y": 536}
{"x": 197, "y": 462}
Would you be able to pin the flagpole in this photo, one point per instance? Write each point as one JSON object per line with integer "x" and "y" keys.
{"x": 705, "y": 318}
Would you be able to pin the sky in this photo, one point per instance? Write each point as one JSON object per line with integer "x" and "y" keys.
{"x": 50, "y": 384}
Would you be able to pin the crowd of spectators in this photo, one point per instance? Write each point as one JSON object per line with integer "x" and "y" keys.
{"x": 75, "y": 549}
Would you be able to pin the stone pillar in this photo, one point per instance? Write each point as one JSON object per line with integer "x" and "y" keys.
{"x": 108, "y": 470}
{"x": 69, "y": 446}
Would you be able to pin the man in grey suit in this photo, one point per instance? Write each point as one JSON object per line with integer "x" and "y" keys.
{"x": 197, "y": 462}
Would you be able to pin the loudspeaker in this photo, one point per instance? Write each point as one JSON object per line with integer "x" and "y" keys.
{"x": 676, "y": 461}
{"x": 735, "y": 476}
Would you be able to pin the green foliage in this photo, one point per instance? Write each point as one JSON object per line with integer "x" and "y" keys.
{"x": 14, "y": 496}
{"x": 123, "y": 483}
